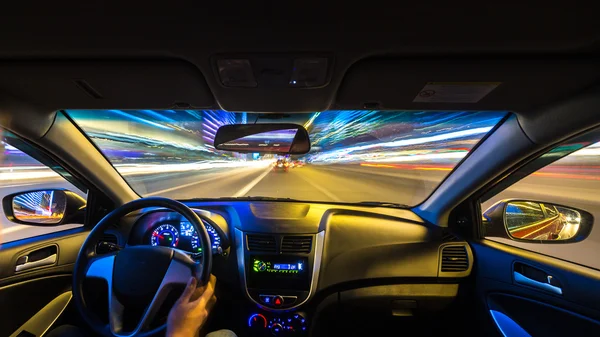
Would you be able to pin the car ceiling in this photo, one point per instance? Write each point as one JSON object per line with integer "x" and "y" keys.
{"x": 145, "y": 55}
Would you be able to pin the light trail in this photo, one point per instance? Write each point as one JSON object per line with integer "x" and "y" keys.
{"x": 39, "y": 172}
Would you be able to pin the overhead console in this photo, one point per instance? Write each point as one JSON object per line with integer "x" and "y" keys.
{"x": 284, "y": 82}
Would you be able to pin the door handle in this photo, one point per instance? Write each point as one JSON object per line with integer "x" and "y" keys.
{"x": 522, "y": 279}
{"x": 47, "y": 261}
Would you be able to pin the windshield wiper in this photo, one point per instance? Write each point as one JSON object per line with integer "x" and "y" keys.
{"x": 383, "y": 204}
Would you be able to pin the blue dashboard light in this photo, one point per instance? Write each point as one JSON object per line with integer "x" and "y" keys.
{"x": 255, "y": 318}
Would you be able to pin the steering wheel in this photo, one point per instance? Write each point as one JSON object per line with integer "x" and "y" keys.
{"x": 138, "y": 274}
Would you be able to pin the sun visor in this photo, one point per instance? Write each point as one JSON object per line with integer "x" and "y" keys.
{"x": 131, "y": 84}
{"x": 446, "y": 84}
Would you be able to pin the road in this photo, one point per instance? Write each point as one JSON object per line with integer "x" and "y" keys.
{"x": 311, "y": 182}
{"x": 347, "y": 183}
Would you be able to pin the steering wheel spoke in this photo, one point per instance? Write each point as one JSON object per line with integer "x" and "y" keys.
{"x": 102, "y": 267}
{"x": 178, "y": 273}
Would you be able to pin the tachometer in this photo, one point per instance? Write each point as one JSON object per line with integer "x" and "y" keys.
{"x": 165, "y": 235}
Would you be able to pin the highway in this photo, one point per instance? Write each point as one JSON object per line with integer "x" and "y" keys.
{"x": 341, "y": 183}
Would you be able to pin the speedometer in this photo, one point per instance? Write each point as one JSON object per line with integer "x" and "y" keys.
{"x": 165, "y": 235}
{"x": 215, "y": 239}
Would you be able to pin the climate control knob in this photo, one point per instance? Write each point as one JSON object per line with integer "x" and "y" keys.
{"x": 257, "y": 321}
{"x": 296, "y": 323}
{"x": 276, "y": 329}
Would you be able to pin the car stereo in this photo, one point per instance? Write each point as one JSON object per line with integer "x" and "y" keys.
{"x": 278, "y": 272}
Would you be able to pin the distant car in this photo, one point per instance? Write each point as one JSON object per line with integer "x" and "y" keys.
{"x": 281, "y": 165}
{"x": 298, "y": 163}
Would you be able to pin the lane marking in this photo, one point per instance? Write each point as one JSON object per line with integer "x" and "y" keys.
{"x": 321, "y": 189}
{"x": 253, "y": 183}
{"x": 184, "y": 185}
{"x": 418, "y": 175}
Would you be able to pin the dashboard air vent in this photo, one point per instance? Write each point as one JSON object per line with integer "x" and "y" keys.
{"x": 296, "y": 244}
{"x": 454, "y": 259}
{"x": 108, "y": 243}
{"x": 261, "y": 243}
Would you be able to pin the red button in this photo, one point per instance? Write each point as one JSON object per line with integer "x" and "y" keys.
{"x": 278, "y": 301}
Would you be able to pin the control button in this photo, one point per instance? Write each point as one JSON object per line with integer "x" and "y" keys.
{"x": 276, "y": 329}
{"x": 266, "y": 299}
{"x": 278, "y": 301}
{"x": 289, "y": 300}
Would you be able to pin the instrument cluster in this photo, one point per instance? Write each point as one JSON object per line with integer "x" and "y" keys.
{"x": 183, "y": 235}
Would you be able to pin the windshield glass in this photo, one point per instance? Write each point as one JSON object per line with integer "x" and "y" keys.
{"x": 357, "y": 156}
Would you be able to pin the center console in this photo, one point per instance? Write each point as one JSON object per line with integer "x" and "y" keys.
{"x": 279, "y": 273}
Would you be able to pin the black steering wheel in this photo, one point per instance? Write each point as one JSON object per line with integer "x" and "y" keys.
{"x": 138, "y": 275}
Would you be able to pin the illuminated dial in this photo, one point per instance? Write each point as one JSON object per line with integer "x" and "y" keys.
{"x": 277, "y": 326}
{"x": 165, "y": 235}
{"x": 296, "y": 323}
{"x": 215, "y": 240}
{"x": 257, "y": 321}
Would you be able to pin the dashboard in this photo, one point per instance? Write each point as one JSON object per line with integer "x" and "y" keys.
{"x": 282, "y": 260}
{"x": 161, "y": 227}
{"x": 183, "y": 235}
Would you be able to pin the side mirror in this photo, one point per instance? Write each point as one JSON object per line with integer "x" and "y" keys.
{"x": 44, "y": 207}
{"x": 263, "y": 138}
{"x": 537, "y": 221}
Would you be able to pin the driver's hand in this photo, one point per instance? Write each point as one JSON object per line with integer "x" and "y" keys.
{"x": 192, "y": 309}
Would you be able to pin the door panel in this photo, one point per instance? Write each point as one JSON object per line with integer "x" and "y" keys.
{"x": 23, "y": 293}
{"x": 537, "y": 309}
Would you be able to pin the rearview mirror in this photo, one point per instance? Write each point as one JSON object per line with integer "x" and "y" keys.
{"x": 263, "y": 138}
{"x": 43, "y": 207}
{"x": 536, "y": 221}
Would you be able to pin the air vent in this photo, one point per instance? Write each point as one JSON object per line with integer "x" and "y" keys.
{"x": 454, "y": 259}
{"x": 296, "y": 244}
{"x": 108, "y": 243}
{"x": 261, "y": 243}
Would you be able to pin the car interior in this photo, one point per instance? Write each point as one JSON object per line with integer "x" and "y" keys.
{"x": 312, "y": 221}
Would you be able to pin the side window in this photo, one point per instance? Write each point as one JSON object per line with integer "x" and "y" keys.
{"x": 19, "y": 173}
{"x": 556, "y": 201}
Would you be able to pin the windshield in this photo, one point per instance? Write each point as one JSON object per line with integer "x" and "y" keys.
{"x": 395, "y": 157}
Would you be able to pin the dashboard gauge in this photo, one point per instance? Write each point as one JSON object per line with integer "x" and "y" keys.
{"x": 186, "y": 229}
{"x": 215, "y": 240}
{"x": 165, "y": 235}
{"x": 196, "y": 247}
